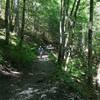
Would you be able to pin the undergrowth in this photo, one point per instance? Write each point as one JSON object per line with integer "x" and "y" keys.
{"x": 17, "y": 57}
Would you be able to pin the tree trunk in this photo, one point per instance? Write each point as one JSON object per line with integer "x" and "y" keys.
{"x": 90, "y": 32}
{"x": 90, "y": 67}
{"x": 17, "y": 16}
{"x": 76, "y": 10}
{"x": 73, "y": 8}
{"x": 11, "y": 16}
{"x": 22, "y": 26}
{"x": 63, "y": 31}
{"x": 7, "y": 14}
{"x": 77, "y": 7}
{"x": 0, "y": 7}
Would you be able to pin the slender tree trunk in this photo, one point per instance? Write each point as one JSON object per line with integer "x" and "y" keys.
{"x": 22, "y": 26}
{"x": 90, "y": 32}
{"x": 90, "y": 67}
{"x": 11, "y": 16}
{"x": 17, "y": 16}
{"x": 73, "y": 8}
{"x": 77, "y": 7}
{"x": 76, "y": 10}
{"x": 0, "y": 7}
{"x": 7, "y": 13}
{"x": 62, "y": 29}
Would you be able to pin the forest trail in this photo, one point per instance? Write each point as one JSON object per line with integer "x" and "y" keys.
{"x": 35, "y": 84}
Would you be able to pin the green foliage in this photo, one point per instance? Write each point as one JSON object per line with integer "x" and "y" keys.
{"x": 1, "y": 57}
{"x": 76, "y": 68}
{"x": 21, "y": 57}
{"x": 52, "y": 57}
{"x": 72, "y": 83}
{"x": 42, "y": 20}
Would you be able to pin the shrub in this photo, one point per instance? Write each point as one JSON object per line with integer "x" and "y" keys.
{"x": 22, "y": 57}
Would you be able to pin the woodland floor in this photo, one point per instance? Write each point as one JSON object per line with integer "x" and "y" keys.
{"x": 35, "y": 83}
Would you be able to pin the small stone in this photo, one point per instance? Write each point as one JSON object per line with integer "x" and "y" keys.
{"x": 43, "y": 96}
{"x": 36, "y": 90}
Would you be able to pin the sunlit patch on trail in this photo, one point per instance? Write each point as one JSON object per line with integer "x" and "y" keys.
{"x": 40, "y": 93}
{"x": 25, "y": 94}
{"x": 43, "y": 58}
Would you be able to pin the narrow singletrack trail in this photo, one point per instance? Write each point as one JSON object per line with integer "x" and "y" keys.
{"x": 35, "y": 84}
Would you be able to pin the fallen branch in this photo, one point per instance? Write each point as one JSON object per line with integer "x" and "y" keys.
{"x": 8, "y": 72}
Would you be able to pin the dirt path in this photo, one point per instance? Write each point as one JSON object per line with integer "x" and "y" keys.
{"x": 36, "y": 84}
{"x": 39, "y": 83}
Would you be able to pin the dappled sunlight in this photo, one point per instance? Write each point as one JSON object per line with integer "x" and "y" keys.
{"x": 13, "y": 38}
{"x": 43, "y": 58}
{"x": 26, "y": 94}
{"x": 67, "y": 61}
{"x": 98, "y": 75}
{"x": 2, "y": 35}
{"x": 31, "y": 92}
{"x": 9, "y": 72}
{"x": 13, "y": 42}
{"x": 49, "y": 49}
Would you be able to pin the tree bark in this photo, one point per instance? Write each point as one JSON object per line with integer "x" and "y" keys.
{"x": 22, "y": 26}
{"x": 77, "y": 7}
{"x": 90, "y": 67}
{"x": 63, "y": 29}
{"x": 11, "y": 16}
{"x": 17, "y": 16}
{"x": 0, "y": 7}
{"x": 73, "y": 8}
{"x": 75, "y": 13}
{"x": 7, "y": 14}
{"x": 90, "y": 32}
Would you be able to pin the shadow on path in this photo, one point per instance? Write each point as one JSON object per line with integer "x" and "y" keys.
{"x": 36, "y": 84}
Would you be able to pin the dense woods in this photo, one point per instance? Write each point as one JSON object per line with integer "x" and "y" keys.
{"x": 49, "y": 50}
